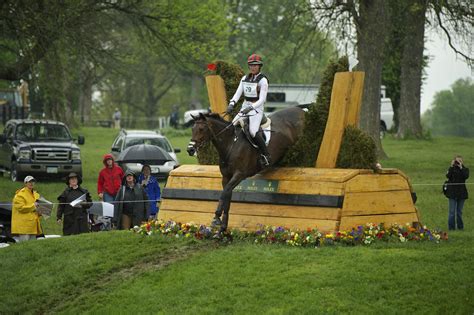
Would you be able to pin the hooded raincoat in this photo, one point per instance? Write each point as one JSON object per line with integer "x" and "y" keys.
{"x": 25, "y": 219}
{"x": 110, "y": 179}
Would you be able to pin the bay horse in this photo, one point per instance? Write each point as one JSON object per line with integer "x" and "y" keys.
{"x": 238, "y": 159}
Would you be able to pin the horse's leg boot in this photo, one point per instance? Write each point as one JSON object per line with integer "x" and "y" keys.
{"x": 265, "y": 156}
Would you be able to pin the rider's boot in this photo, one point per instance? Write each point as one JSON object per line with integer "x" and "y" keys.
{"x": 265, "y": 156}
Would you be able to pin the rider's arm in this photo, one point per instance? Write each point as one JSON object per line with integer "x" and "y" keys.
{"x": 263, "y": 93}
{"x": 238, "y": 93}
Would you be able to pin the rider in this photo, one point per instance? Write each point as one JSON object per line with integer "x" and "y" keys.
{"x": 255, "y": 87}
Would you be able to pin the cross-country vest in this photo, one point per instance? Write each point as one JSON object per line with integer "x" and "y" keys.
{"x": 251, "y": 88}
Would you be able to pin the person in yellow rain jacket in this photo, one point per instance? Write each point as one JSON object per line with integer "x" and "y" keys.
{"x": 25, "y": 218}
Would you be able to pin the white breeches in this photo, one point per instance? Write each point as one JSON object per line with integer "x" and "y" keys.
{"x": 255, "y": 117}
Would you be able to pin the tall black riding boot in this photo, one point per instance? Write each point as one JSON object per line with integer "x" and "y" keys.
{"x": 265, "y": 156}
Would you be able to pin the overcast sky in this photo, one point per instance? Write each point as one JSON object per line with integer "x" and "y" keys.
{"x": 444, "y": 68}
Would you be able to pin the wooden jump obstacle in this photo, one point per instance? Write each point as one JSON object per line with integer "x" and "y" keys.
{"x": 324, "y": 197}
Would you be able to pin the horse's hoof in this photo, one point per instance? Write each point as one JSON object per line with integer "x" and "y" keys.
{"x": 216, "y": 222}
{"x": 217, "y": 236}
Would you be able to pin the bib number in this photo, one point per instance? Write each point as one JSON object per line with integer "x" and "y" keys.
{"x": 250, "y": 89}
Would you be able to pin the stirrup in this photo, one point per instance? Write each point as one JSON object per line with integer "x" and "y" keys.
{"x": 264, "y": 160}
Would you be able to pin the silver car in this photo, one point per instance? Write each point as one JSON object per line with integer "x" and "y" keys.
{"x": 128, "y": 138}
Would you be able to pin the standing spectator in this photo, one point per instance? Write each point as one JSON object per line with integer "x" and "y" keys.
{"x": 131, "y": 203}
{"x": 117, "y": 116}
{"x": 25, "y": 218}
{"x": 174, "y": 117}
{"x": 152, "y": 189}
{"x": 457, "y": 192}
{"x": 76, "y": 219}
{"x": 110, "y": 179}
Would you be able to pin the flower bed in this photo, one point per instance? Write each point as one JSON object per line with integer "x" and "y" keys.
{"x": 362, "y": 235}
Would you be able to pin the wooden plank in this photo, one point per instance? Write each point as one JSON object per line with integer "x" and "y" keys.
{"x": 244, "y": 222}
{"x": 311, "y": 187}
{"x": 356, "y": 90}
{"x": 346, "y": 93}
{"x": 287, "y": 173}
{"x": 183, "y": 182}
{"x": 217, "y": 95}
{"x": 255, "y": 197}
{"x": 382, "y": 202}
{"x": 197, "y": 171}
{"x": 284, "y": 186}
{"x": 253, "y": 209}
{"x": 349, "y": 222}
{"x": 377, "y": 182}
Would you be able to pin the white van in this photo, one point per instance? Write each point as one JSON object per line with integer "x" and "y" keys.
{"x": 286, "y": 95}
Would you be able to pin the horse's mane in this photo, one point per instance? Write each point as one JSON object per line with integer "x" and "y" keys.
{"x": 216, "y": 117}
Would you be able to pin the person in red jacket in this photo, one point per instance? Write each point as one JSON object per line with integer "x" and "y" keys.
{"x": 110, "y": 179}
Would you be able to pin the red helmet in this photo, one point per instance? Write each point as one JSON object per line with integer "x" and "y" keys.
{"x": 255, "y": 59}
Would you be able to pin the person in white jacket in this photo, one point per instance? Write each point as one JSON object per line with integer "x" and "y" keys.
{"x": 254, "y": 86}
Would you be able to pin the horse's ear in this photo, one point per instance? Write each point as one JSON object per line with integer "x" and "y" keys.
{"x": 193, "y": 117}
{"x": 201, "y": 115}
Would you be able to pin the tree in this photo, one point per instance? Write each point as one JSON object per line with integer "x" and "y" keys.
{"x": 294, "y": 50}
{"x": 370, "y": 20}
{"x": 455, "y": 19}
{"x": 452, "y": 113}
{"x": 66, "y": 47}
{"x": 411, "y": 66}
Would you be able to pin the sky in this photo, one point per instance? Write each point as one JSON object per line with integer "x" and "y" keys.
{"x": 444, "y": 68}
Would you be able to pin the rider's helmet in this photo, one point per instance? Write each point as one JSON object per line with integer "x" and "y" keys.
{"x": 255, "y": 59}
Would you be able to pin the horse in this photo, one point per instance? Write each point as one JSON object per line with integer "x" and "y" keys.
{"x": 238, "y": 159}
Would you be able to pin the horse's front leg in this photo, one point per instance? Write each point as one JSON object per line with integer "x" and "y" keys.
{"x": 217, "y": 218}
{"x": 226, "y": 198}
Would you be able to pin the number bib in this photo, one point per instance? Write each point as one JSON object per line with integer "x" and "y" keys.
{"x": 250, "y": 89}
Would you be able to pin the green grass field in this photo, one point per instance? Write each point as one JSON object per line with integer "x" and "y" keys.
{"x": 121, "y": 272}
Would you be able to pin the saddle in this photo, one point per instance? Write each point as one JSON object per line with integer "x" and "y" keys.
{"x": 244, "y": 125}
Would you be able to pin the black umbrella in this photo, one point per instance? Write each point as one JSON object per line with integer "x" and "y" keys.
{"x": 144, "y": 154}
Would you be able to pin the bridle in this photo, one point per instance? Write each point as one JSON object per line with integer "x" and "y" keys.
{"x": 213, "y": 135}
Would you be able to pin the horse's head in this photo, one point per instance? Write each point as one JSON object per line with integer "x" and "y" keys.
{"x": 200, "y": 134}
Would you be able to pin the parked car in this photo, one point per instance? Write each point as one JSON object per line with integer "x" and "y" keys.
{"x": 38, "y": 147}
{"x": 188, "y": 116}
{"x": 128, "y": 138}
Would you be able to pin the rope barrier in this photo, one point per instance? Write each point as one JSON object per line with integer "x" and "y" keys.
{"x": 156, "y": 200}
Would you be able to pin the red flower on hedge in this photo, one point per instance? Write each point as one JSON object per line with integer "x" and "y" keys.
{"x": 211, "y": 67}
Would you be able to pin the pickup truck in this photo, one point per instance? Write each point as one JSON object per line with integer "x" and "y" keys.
{"x": 38, "y": 147}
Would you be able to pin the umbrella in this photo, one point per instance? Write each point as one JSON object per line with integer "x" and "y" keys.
{"x": 144, "y": 154}
{"x": 104, "y": 209}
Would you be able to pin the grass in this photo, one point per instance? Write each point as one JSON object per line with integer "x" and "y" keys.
{"x": 115, "y": 272}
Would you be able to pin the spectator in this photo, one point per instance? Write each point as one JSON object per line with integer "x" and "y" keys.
{"x": 131, "y": 203}
{"x": 76, "y": 219}
{"x": 116, "y": 117}
{"x": 152, "y": 189}
{"x": 25, "y": 218}
{"x": 174, "y": 117}
{"x": 456, "y": 192}
{"x": 110, "y": 178}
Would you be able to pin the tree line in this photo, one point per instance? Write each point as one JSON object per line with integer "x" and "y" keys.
{"x": 145, "y": 56}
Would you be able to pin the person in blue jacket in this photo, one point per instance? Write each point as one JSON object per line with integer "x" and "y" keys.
{"x": 152, "y": 188}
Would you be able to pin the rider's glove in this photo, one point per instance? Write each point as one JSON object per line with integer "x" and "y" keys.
{"x": 230, "y": 108}
{"x": 247, "y": 110}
